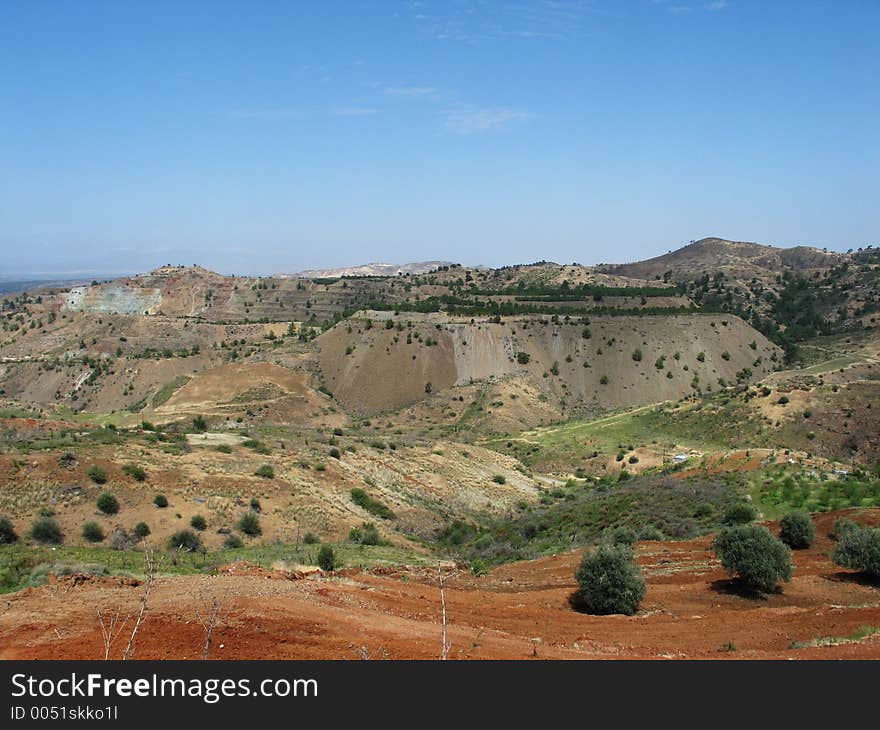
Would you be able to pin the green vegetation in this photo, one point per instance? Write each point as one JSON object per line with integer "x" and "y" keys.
{"x": 198, "y": 522}
{"x": 93, "y": 532}
{"x": 859, "y": 549}
{"x": 266, "y": 471}
{"x": 797, "y": 530}
{"x": 46, "y": 530}
{"x": 167, "y": 390}
{"x": 7, "y": 533}
{"x": 740, "y": 514}
{"x": 249, "y": 524}
{"x": 585, "y": 513}
{"x": 141, "y": 530}
{"x": 97, "y": 474}
{"x": 327, "y": 558}
{"x": 754, "y": 556}
{"x": 107, "y": 503}
{"x": 371, "y": 505}
{"x": 161, "y": 501}
{"x": 186, "y": 541}
{"x": 135, "y": 472}
{"x": 609, "y": 581}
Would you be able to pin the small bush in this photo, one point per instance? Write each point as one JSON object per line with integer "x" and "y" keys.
{"x": 141, "y": 530}
{"x": 751, "y": 553}
{"x": 92, "y": 532}
{"x": 198, "y": 523}
{"x": 46, "y": 530}
{"x": 187, "y": 541}
{"x": 7, "y": 533}
{"x": 97, "y": 474}
{"x": 609, "y": 581}
{"x": 367, "y": 534}
{"x": 108, "y": 504}
{"x": 327, "y": 558}
{"x": 650, "y": 532}
{"x": 223, "y": 448}
{"x": 135, "y": 472}
{"x": 796, "y": 530}
{"x": 255, "y": 504}
{"x": 249, "y": 524}
{"x": 334, "y": 453}
{"x": 161, "y": 501}
{"x": 371, "y": 505}
{"x": 499, "y": 479}
{"x": 740, "y": 514}
{"x": 523, "y": 357}
{"x": 232, "y": 542}
{"x": 199, "y": 424}
{"x": 619, "y": 536}
{"x": 859, "y": 549}
{"x": 310, "y": 538}
{"x": 843, "y": 526}
{"x": 266, "y": 471}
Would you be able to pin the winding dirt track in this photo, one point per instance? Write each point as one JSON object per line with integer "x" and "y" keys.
{"x": 519, "y": 611}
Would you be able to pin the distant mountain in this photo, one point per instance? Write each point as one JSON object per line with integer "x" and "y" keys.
{"x": 375, "y": 269}
{"x": 737, "y": 259}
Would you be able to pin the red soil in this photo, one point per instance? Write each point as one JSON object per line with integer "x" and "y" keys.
{"x": 518, "y": 611}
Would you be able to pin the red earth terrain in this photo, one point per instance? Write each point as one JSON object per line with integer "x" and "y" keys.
{"x": 518, "y": 611}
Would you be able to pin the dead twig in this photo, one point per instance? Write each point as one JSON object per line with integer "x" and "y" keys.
{"x": 445, "y": 645}
{"x": 208, "y": 624}
{"x": 150, "y": 570}
{"x": 111, "y": 628}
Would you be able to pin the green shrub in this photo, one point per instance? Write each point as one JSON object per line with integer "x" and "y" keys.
{"x": 842, "y": 526}
{"x": 255, "y": 504}
{"x": 740, "y": 514}
{"x": 46, "y": 530}
{"x": 523, "y": 357}
{"x": 199, "y": 424}
{"x": 249, "y": 524}
{"x": 187, "y": 541}
{"x": 198, "y": 522}
{"x": 310, "y": 538}
{"x": 161, "y": 501}
{"x": 107, "y": 503}
{"x": 499, "y": 479}
{"x": 232, "y": 542}
{"x": 327, "y": 558}
{"x": 135, "y": 472}
{"x": 371, "y": 505}
{"x": 367, "y": 534}
{"x": 609, "y": 581}
{"x": 859, "y": 549}
{"x": 334, "y": 453}
{"x": 619, "y": 536}
{"x": 141, "y": 530}
{"x": 223, "y": 448}
{"x": 7, "y": 533}
{"x": 97, "y": 474}
{"x": 796, "y": 530}
{"x": 751, "y": 553}
{"x": 92, "y": 532}
{"x": 266, "y": 471}
{"x": 650, "y": 532}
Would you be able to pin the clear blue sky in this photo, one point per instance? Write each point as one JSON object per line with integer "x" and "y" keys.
{"x": 259, "y": 137}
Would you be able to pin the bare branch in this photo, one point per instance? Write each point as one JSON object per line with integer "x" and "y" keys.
{"x": 445, "y": 645}
{"x": 111, "y": 628}
{"x": 150, "y": 569}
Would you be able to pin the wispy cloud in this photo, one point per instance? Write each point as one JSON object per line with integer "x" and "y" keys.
{"x": 716, "y": 5}
{"x": 680, "y": 9}
{"x": 473, "y": 121}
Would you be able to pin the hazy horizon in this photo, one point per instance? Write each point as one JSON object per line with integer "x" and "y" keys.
{"x": 257, "y": 138}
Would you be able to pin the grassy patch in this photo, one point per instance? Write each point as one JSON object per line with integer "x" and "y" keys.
{"x": 167, "y": 390}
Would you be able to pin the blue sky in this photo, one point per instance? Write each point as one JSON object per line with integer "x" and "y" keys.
{"x": 260, "y": 137}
